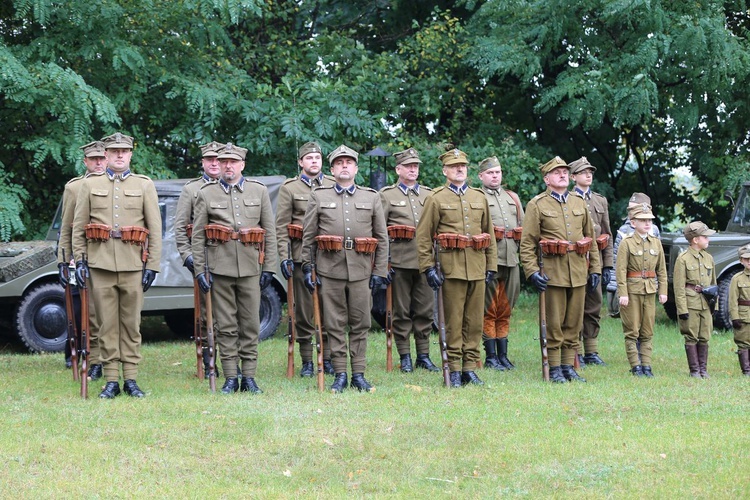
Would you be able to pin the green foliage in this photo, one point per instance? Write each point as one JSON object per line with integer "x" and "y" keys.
{"x": 12, "y": 198}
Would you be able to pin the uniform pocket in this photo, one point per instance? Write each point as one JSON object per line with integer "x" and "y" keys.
{"x": 252, "y": 211}
{"x": 133, "y": 199}
{"x": 100, "y": 199}
{"x": 300, "y": 203}
{"x": 363, "y": 212}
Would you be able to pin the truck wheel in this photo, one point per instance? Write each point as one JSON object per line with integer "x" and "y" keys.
{"x": 721, "y": 313}
{"x": 270, "y": 312}
{"x": 41, "y": 321}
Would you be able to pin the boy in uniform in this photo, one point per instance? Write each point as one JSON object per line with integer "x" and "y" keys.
{"x": 739, "y": 309}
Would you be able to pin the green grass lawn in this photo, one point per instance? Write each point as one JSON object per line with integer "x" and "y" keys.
{"x": 615, "y": 436}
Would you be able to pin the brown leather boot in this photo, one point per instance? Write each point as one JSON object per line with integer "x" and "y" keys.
{"x": 692, "y": 358}
{"x": 744, "y": 356}
{"x": 702, "y": 359}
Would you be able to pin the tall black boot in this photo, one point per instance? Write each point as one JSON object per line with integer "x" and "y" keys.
{"x": 744, "y": 358}
{"x": 692, "y": 358}
{"x": 491, "y": 360}
{"x": 502, "y": 353}
{"x": 703, "y": 359}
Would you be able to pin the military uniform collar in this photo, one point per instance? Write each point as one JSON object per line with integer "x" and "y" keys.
{"x": 340, "y": 190}
{"x": 459, "y": 190}
{"x": 405, "y": 189}
{"x": 206, "y": 178}
{"x": 309, "y": 180}
{"x": 695, "y": 253}
{"x": 112, "y": 176}
{"x": 586, "y": 195}
{"x": 491, "y": 191}
{"x": 562, "y": 198}
{"x": 228, "y": 187}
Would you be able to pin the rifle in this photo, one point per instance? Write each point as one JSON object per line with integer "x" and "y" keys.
{"x": 200, "y": 373}
{"x": 543, "y": 323}
{"x": 84, "y": 349}
{"x": 291, "y": 328}
{"x": 441, "y": 321}
{"x": 389, "y": 321}
{"x": 209, "y": 328}
{"x": 70, "y": 313}
{"x": 318, "y": 326}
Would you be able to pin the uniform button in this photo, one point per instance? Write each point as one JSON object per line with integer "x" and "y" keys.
{"x": 117, "y": 197}
{"x": 236, "y": 215}
{"x": 117, "y": 215}
{"x": 117, "y": 225}
{"x": 347, "y": 220}
{"x": 348, "y": 229}
{"x": 117, "y": 189}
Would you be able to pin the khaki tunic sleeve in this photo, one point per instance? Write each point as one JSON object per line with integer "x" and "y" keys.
{"x": 182, "y": 217}
{"x": 152, "y": 216}
{"x": 284, "y": 207}
{"x": 267, "y": 222}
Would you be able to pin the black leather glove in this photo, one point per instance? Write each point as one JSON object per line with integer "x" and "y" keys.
{"x": 189, "y": 264}
{"x": 266, "y": 277}
{"x": 489, "y": 276}
{"x": 684, "y": 317}
{"x": 606, "y": 275}
{"x": 287, "y": 268}
{"x": 309, "y": 283}
{"x": 378, "y": 283}
{"x": 149, "y": 276}
{"x": 539, "y": 281}
{"x": 390, "y": 275}
{"x": 736, "y": 324}
{"x": 204, "y": 283}
{"x": 82, "y": 273}
{"x": 594, "y": 280}
{"x": 434, "y": 278}
{"x": 62, "y": 274}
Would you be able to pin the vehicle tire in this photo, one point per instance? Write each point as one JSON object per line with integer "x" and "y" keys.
{"x": 41, "y": 321}
{"x": 613, "y": 304}
{"x": 721, "y": 313}
{"x": 270, "y": 312}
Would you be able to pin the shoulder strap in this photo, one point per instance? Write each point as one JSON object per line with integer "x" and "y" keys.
{"x": 517, "y": 201}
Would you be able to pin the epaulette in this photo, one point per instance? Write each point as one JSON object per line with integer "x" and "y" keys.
{"x": 255, "y": 181}
{"x": 322, "y": 187}
{"x": 75, "y": 179}
{"x": 388, "y": 188}
{"x": 194, "y": 180}
{"x": 206, "y": 184}
{"x": 479, "y": 190}
{"x": 425, "y": 187}
{"x": 365, "y": 188}
{"x": 628, "y": 235}
{"x": 291, "y": 179}
{"x": 539, "y": 196}
{"x": 97, "y": 174}
{"x": 438, "y": 189}
{"x": 598, "y": 195}
{"x": 329, "y": 177}
{"x": 141, "y": 176}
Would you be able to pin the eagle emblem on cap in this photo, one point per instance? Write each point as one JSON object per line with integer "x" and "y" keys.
{"x": 456, "y": 152}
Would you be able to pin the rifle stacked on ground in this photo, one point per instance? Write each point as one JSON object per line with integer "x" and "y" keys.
{"x": 85, "y": 346}
{"x": 70, "y": 313}
{"x": 210, "y": 329}
{"x": 291, "y": 328}
{"x": 543, "y": 322}
{"x": 441, "y": 321}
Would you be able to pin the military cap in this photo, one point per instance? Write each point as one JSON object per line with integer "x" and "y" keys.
{"x": 211, "y": 149}
{"x": 407, "y": 156}
{"x": 637, "y": 198}
{"x": 640, "y": 211}
{"x": 744, "y": 252}
{"x": 232, "y": 152}
{"x": 553, "y": 164}
{"x": 342, "y": 151}
{"x": 453, "y": 156}
{"x": 580, "y": 165}
{"x": 488, "y": 163}
{"x": 697, "y": 228}
{"x": 93, "y": 149}
{"x": 309, "y": 147}
{"x": 118, "y": 141}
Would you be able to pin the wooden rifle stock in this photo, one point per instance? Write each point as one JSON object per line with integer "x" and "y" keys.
{"x": 543, "y": 323}
{"x": 318, "y": 325}
{"x": 389, "y": 324}
{"x": 441, "y": 322}
{"x": 70, "y": 313}
{"x": 291, "y": 328}
{"x": 84, "y": 348}
{"x": 200, "y": 373}
{"x": 210, "y": 328}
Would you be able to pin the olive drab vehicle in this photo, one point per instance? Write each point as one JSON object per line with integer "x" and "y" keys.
{"x": 32, "y": 300}
{"x": 723, "y": 248}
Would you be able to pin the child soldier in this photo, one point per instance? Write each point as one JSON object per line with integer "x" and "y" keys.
{"x": 694, "y": 287}
{"x": 739, "y": 309}
{"x": 641, "y": 272}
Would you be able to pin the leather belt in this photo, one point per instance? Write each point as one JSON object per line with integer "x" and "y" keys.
{"x": 348, "y": 244}
{"x": 741, "y": 302}
{"x": 697, "y": 288}
{"x": 641, "y": 274}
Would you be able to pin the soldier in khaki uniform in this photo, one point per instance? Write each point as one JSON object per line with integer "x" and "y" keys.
{"x": 291, "y": 204}
{"x": 122, "y": 203}
{"x": 582, "y": 173}
{"x": 558, "y": 215}
{"x": 184, "y": 217}
{"x": 501, "y": 294}
{"x": 238, "y": 270}
{"x": 694, "y": 283}
{"x": 349, "y": 212}
{"x": 456, "y": 213}
{"x": 413, "y": 299}
{"x": 95, "y": 161}
{"x": 739, "y": 309}
{"x": 641, "y": 274}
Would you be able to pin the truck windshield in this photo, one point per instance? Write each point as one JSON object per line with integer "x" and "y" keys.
{"x": 742, "y": 211}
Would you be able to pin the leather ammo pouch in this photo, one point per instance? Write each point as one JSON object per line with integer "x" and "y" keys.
{"x": 480, "y": 241}
{"x": 365, "y": 245}
{"x": 218, "y": 233}
{"x": 583, "y": 246}
{"x": 189, "y": 230}
{"x": 555, "y": 247}
{"x": 453, "y": 241}
{"x": 97, "y": 232}
{"x": 135, "y": 235}
{"x": 330, "y": 243}
{"x": 255, "y": 236}
{"x": 602, "y": 241}
{"x": 401, "y": 232}
{"x": 294, "y": 231}
{"x": 499, "y": 232}
{"x": 517, "y": 233}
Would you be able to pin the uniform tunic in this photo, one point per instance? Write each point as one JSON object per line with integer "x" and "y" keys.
{"x": 459, "y": 210}
{"x": 637, "y": 255}
{"x": 739, "y": 289}
{"x": 345, "y": 297}
{"x": 291, "y": 204}
{"x": 501, "y": 293}
{"x": 118, "y": 200}
{"x": 694, "y": 267}
{"x": 552, "y": 216}
{"x": 413, "y": 299}
{"x": 235, "y": 266}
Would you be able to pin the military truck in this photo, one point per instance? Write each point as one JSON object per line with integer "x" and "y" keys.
{"x": 33, "y": 302}
{"x": 723, "y": 247}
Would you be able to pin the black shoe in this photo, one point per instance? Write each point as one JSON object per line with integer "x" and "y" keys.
{"x": 110, "y": 391}
{"x": 455, "y": 379}
{"x": 95, "y": 372}
{"x": 230, "y": 385}
{"x": 424, "y": 362}
{"x": 132, "y": 389}
{"x": 248, "y": 385}
{"x": 593, "y": 358}
{"x": 637, "y": 371}
{"x": 491, "y": 361}
{"x": 307, "y": 369}
{"x": 328, "y": 367}
{"x": 494, "y": 364}
{"x": 647, "y": 371}
{"x": 359, "y": 382}
{"x": 68, "y": 362}
{"x": 340, "y": 382}
{"x": 406, "y": 365}
{"x": 570, "y": 374}
{"x": 502, "y": 353}
{"x": 556, "y": 375}
{"x": 470, "y": 378}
